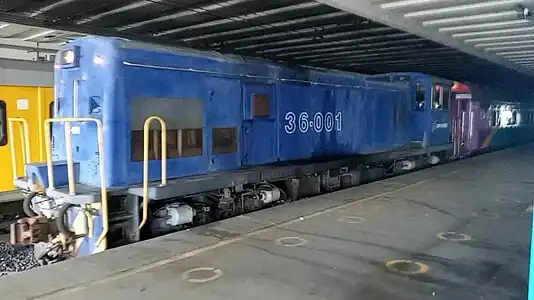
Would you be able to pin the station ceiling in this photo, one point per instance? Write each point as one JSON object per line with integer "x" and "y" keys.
{"x": 482, "y": 41}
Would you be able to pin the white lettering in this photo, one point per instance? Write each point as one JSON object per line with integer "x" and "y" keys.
{"x": 290, "y": 126}
{"x": 318, "y": 123}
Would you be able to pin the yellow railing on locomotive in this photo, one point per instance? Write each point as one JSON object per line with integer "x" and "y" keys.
{"x": 146, "y": 135}
{"x": 70, "y": 164}
{"x": 25, "y": 143}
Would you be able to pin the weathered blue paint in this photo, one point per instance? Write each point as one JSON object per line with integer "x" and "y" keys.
{"x": 431, "y": 126}
{"x": 338, "y": 113}
{"x": 38, "y": 174}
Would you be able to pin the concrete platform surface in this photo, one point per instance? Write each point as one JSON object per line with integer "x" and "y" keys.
{"x": 457, "y": 231}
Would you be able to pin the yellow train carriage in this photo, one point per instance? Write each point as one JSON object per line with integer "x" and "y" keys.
{"x": 26, "y": 92}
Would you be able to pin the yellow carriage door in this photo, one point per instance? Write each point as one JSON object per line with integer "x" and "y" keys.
{"x": 33, "y": 105}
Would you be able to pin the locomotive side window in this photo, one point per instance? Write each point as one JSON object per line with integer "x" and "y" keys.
{"x": 380, "y": 79}
{"x": 3, "y": 124}
{"x": 436, "y": 96}
{"x": 224, "y": 140}
{"x": 260, "y": 105}
{"x": 184, "y": 119}
{"x": 401, "y": 78}
{"x": 440, "y": 97}
{"x": 446, "y": 97}
{"x": 420, "y": 95}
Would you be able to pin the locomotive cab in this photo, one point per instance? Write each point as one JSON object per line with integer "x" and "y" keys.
{"x": 431, "y": 113}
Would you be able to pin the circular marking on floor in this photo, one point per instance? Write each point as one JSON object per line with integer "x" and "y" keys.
{"x": 453, "y": 236}
{"x": 351, "y": 219}
{"x": 486, "y": 214}
{"x": 291, "y": 241}
{"x": 407, "y": 267}
{"x": 201, "y": 275}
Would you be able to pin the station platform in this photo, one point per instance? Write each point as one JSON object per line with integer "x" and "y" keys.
{"x": 456, "y": 231}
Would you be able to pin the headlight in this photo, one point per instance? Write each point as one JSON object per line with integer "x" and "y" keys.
{"x": 69, "y": 58}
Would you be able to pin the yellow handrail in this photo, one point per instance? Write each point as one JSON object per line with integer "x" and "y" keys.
{"x": 70, "y": 164}
{"x": 25, "y": 140}
{"x": 146, "y": 132}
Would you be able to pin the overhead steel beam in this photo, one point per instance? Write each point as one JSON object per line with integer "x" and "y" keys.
{"x": 410, "y": 23}
{"x": 18, "y": 44}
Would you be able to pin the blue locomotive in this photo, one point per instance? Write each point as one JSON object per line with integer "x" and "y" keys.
{"x": 234, "y": 135}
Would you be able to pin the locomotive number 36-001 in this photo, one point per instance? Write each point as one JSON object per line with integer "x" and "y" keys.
{"x": 318, "y": 122}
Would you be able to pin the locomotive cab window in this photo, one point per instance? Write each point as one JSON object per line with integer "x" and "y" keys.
{"x": 3, "y": 123}
{"x": 440, "y": 97}
{"x": 380, "y": 79}
{"x": 401, "y": 78}
{"x": 260, "y": 105}
{"x": 420, "y": 96}
{"x": 446, "y": 98}
{"x": 183, "y": 117}
{"x": 224, "y": 140}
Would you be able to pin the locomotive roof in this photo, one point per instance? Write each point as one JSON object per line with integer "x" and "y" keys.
{"x": 224, "y": 58}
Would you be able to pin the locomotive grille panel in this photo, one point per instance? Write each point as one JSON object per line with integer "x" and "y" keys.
{"x": 224, "y": 140}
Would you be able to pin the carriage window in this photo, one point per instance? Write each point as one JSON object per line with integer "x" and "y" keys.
{"x": 224, "y": 140}
{"x": 494, "y": 117}
{"x": 260, "y": 105}
{"x": 51, "y": 115}
{"x": 514, "y": 120}
{"x": 420, "y": 95}
{"x": 183, "y": 117}
{"x": 51, "y": 110}
{"x": 3, "y": 123}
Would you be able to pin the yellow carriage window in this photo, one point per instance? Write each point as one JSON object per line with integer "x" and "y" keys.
{"x": 3, "y": 123}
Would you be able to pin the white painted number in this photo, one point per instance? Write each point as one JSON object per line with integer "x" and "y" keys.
{"x": 338, "y": 121}
{"x": 304, "y": 124}
{"x": 290, "y": 126}
{"x": 319, "y": 122}
{"x": 328, "y": 122}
